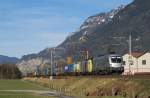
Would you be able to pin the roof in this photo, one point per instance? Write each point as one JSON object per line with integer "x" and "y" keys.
{"x": 137, "y": 54}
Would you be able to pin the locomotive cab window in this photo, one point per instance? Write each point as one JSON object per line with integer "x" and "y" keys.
{"x": 116, "y": 59}
{"x": 119, "y": 59}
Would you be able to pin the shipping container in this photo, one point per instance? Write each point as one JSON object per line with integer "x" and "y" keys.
{"x": 37, "y": 71}
{"x": 89, "y": 65}
{"x": 69, "y": 60}
{"x": 46, "y": 71}
{"x": 66, "y": 69}
{"x": 71, "y": 68}
{"x": 83, "y": 66}
{"x": 77, "y": 67}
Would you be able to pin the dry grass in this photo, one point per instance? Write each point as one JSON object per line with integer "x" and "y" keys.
{"x": 97, "y": 87}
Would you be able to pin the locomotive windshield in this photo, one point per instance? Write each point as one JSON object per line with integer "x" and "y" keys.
{"x": 116, "y": 59}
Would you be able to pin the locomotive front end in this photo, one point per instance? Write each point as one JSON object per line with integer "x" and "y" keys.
{"x": 115, "y": 62}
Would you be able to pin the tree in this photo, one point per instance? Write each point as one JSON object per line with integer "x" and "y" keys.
{"x": 9, "y": 71}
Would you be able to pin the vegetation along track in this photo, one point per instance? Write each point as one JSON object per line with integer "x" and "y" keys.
{"x": 106, "y": 76}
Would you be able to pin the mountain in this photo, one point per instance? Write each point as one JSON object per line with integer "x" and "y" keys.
{"x": 103, "y": 33}
{"x": 89, "y": 33}
{"x": 106, "y": 32}
{"x": 29, "y": 63}
{"x": 6, "y": 59}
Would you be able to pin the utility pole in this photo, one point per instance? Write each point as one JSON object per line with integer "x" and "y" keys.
{"x": 87, "y": 54}
{"x": 130, "y": 53}
{"x": 129, "y": 50}
{"x": 52, "y": 51}
{"x": 51, "y": 76}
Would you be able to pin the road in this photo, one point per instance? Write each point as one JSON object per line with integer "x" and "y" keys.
{"x": 40, "y": 92}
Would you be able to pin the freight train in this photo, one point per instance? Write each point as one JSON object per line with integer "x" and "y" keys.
{"x": 101, "y": 65}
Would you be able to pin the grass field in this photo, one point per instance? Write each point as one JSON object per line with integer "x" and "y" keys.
{"x": 20, "y": 95}
{"x": 20, "y": 85}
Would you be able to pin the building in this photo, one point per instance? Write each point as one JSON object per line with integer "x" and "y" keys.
{"x": 140, "y": 63}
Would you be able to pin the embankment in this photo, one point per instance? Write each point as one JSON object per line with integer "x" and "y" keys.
{"x": 112, "y": 87}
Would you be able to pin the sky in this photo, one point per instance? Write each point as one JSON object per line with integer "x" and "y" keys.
{"x": 29, "y": 26}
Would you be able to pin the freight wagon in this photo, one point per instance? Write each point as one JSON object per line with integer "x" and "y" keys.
{"x": 107, "y": 64}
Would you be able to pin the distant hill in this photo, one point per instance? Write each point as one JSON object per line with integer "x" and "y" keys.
{"x": 6, "y": 59}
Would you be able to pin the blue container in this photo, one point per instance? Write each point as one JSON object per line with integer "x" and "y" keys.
{"x": 71, "y": 68}
{"x": 46, "y": 71}
{"x": 66, "y": 69}
{"x": 37, "y": 71}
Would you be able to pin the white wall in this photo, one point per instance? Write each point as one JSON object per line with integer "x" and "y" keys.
{"x": 133, "y": 68}
{"x": 146, "y": 67}
{"x": 137, "y": 66}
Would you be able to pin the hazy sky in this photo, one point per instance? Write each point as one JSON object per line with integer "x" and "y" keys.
{"x": 29, "y": 26}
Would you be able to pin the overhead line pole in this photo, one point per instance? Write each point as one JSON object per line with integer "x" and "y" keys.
{"x": 52, "y": 50}
{"x": 130, "y": 53}
{"x": 51, "y": 76}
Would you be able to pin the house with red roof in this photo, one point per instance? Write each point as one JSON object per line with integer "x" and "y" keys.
{"x": 136, "y": 63}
